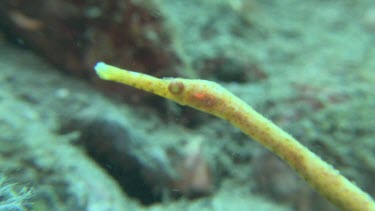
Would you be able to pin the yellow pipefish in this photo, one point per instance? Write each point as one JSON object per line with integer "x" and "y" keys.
{"x": 212, "y": 98}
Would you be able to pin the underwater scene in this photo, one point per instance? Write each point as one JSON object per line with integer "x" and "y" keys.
{"x": 164, "y": 105}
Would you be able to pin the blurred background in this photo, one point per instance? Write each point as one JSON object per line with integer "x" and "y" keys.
{"x": 69, "y": 141}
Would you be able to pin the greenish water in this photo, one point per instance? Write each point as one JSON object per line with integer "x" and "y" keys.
{"x": 68, "y": 144}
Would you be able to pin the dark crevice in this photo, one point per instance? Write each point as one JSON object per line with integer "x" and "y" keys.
{"x": 110, "y": 145}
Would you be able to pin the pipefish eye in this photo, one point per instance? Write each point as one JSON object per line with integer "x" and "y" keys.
{"x": 176, "y": 87}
